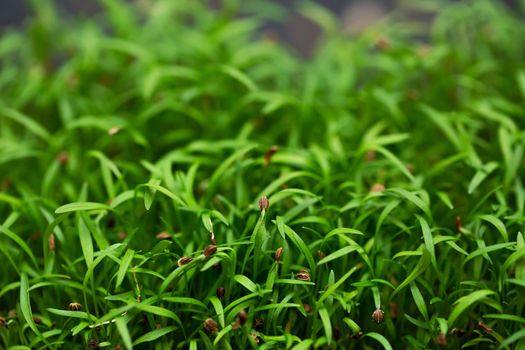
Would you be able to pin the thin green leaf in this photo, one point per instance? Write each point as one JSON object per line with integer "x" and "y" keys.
{"x": 154, "y": 335}
{"x": 327, "y": 325}
{"x": 25, "y": 305}
{"x": 445, "y": 199}
{"x": 159, "y": 311}
{"x": 81, "y": 206}
{"x": 86, "y": 242}
{"x": 480, "y": 175}
{"x": 13, "y": 236}
{"x": 381, "y": 339}
{"x": 28, "y": 122}
{"x": 67, "y": 313}
{"x": 421, "y": 267}
{"x": 337, "y": 284}
{"x": 185, "y": 300}
{"x": 428, "y": 239}
{"x": 418, "y": 299}
{"x": 245, "y": 282}
{"x": 395, "y": 161}
{"x": 217, "y": 305}
{"x": 337, "y": 254}
{"x": 467, "y": 301}
{"x": 222, "y": 333}
{"x": 299, "y": 244}
{"x": 498, "y": 224}
{"x": 411, "y": 197}
{"x": 124, "y": 265}
{"x": 124, "y": 332}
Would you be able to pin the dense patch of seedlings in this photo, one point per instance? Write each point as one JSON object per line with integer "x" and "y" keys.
{"x": 170, "y": 178}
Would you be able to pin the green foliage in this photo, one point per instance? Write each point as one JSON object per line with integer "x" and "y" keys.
{"x": 135, "y": 146}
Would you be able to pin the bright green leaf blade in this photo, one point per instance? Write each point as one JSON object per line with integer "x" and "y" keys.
{"x": 498, "y": 224}
{"x": 464, "y": 302}
{"x": 327, "y": 324}
{"x": 81, "y": 206}
{"x": 381, "y": 339}
{"x": 337, "y": 254}
{"x": 124, "y": 332}
{"x": 421, "y": 266}
{"x": 124, "y": 265}
{"x": 154, "y": 335}
{"x": 86, "y": 243}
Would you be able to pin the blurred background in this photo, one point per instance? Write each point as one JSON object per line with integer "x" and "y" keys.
{"x": 297, "y": 31}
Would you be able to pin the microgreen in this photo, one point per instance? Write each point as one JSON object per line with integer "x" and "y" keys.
{"x": 171, "y": 177}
